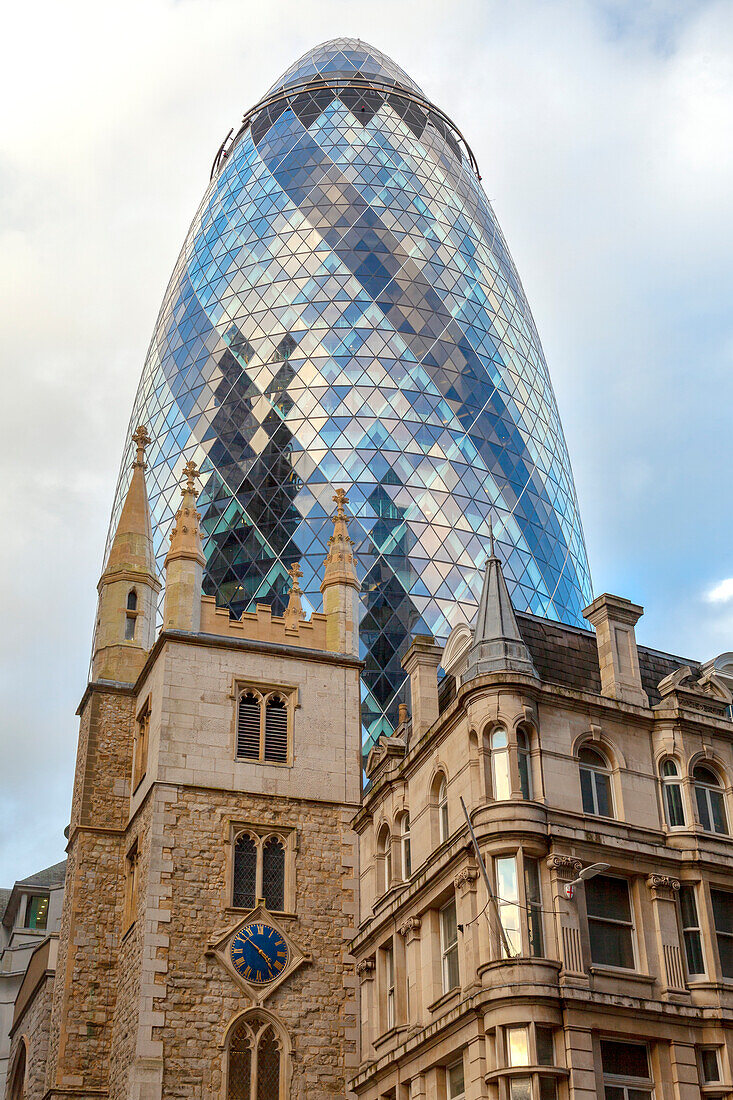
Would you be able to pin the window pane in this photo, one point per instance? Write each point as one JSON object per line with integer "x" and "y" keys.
{"x": 273, "y": 874}
{"x": 517, "y": 1046}
{"x": 520, "y": 1088}
{"x": 524, "y": 782}
{"x": 693, "y": 953}
{"x": 638, "y": 1094}
{"x": 450, "y": 970}
{"x": 718, "y": 812}
{"x": 702, "y": 808}
{"x": 449, "y": 928}
{"x": 624, "y": 1059}
{"x": 268, "y": 1067}
{"x": 502, "y": 786}
{"x": 669, "y": 768}
{"x": 709, "y": 1065}
{"x": 608, "y": 897}
{"x": 586, "y": 789}
{"x": 725, "y": 950}
{"x": 673, "y": 803}
{"x": 548, "y": 1088}
{"x": 722, "y": 910}
{"x": 545, "y": 1046}
{"x": 36, "y": 913}
{"x": 603, "y": 794}
{"x": 245, "y": 873}
{"x": 534, "y": 915}
{"x": 613, "y": 1092}
{"x": 611, "y": 944}
{"x": 590, "y": 756}
{"x": 456, "y": 1084}
{"x": 688, "y": 906}
{"x": 508, "y": 894}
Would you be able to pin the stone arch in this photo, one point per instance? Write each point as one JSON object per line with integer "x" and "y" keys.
{"x": 250, "y": 1035}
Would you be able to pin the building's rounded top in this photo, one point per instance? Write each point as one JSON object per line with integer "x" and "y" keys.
{"x": 343, "y": 58}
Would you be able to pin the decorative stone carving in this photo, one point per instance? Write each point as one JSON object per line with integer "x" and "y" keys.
{"x": 565, "y": 867}
{"x": 365, "y": 968}
{"x": 465, "y": 878}
{"x": 410, "y": 927}
{"x": 663, "y": 887}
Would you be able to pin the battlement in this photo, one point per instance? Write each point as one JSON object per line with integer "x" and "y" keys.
{"x": 262, "y": 626}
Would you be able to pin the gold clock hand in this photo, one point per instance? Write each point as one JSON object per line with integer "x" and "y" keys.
{"x": 264, "y": 956}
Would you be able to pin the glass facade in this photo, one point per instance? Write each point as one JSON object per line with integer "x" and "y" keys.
{"x": 345, "y": 312}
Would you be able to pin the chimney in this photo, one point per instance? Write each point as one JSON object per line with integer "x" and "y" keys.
{"x": 614, "y": 619}
{"x": 421, "y": 664}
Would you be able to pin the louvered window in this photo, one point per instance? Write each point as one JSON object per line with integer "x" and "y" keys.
{"x": 276, "y": 731}
{"x": 245, "y": 872}
{"x": 273, "y": 874}
{"x": 248, "y": 726}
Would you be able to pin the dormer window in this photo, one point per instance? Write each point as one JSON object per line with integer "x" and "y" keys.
{"x": 36, "y": 912}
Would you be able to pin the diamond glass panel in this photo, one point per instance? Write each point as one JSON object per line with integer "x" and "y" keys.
{"x": 345, "y": 312}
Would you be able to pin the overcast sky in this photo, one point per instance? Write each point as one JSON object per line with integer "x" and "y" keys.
{"x": 603, "y": 133}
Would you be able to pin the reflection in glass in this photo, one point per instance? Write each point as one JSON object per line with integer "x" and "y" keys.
{"x": 500, "y": 765}
{"x": 507, "y": 889}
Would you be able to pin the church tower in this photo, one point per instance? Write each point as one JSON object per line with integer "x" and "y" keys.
{"x": 212, "y": 884}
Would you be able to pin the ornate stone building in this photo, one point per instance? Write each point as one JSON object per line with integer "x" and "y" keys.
{"x": 596, "y": 958}
{"x": 211, "y": 884}
{"x": 532, "y": 900}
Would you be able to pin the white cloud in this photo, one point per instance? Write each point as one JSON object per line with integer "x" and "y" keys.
{"x": 722, "y": 592}
{"x": 602, "y": 132}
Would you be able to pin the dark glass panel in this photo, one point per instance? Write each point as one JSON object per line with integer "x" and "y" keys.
{"x": 608, "y": 897}
{"x": 624, "y": 1059}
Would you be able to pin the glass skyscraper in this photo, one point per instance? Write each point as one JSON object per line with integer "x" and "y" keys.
{"x": 345, "y": 312}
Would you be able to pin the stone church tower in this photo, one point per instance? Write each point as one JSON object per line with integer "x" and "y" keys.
{"x": 212, "y": 882}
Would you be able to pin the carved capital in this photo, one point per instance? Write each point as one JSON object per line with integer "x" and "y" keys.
{"x": 365, "y": 968}
{"x": 410, "y": 928}
{"x": 466, "y": 878}
{"x": 565, "y": 867}
{"x": 663, "y": 887}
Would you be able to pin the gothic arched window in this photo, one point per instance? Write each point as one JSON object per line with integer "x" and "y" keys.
{"x": 245, "y": 872}
{"x": 255, "y": 1067}
{"x": 273, "y": 873}
{"x": 17, "y": 1088}
{"x": 276, "y": 730}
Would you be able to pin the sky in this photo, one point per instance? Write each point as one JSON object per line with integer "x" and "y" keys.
{"x": 602, "y": 130}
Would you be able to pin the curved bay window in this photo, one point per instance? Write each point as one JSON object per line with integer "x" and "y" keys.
{"x": 709, "y": 798}
{"x": 259, "y": 871}
{"x": 518, "y": 890}
{"x": 255, "y": 1061}
{"x": 674, "y": 812}
{"x": 263, "y": 726}
{"x": 595, "y": 782}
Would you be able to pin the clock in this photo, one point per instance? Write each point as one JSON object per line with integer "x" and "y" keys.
{"x": 259, "y": 953}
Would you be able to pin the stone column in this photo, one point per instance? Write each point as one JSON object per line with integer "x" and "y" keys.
{"x": 568, "y": 931}
{"x": 410, "y": 932}
{"x": 474, "y": 1066}
{"x": 683, "y": 1070}
{"x": 366, "y": 970}
{"x": 421, "y": 664}
{"x": 670, "y": 967}
{"x": 466, "y": 884}
{"x": 417, "y": 1088}
{"x": 581, "y": 1063}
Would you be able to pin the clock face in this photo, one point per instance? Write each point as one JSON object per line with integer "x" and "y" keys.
{"x": 259, "y": 953}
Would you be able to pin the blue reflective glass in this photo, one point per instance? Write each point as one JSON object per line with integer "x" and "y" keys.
{"x": 345, "y": 312}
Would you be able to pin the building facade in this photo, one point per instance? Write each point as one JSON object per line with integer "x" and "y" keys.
{"x": 30, "y": 916}
{"x": 345, "y": 311}
{"x": 549, "y": 981}
{"x": 211, "y": 881}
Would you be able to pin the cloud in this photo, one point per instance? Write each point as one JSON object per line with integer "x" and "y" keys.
{"x": 722, "y": 592}
{"x": 602, "y": 132}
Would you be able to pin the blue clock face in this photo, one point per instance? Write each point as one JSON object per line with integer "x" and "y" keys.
{"x": 259, "y": 953}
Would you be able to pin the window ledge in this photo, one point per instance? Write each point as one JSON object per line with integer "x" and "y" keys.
{"x": 522, "y": 1071}
{"x": 281, "y": 914}
{"x": 387, "y": 1035}
{"x": 622, "y": 973}
{"x": 445, "y": 999}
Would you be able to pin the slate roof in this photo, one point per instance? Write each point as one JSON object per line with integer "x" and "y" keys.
{"x": 4, "y": 899}
{"x": 568, "y": 655}
{"x": 50, "y": 876}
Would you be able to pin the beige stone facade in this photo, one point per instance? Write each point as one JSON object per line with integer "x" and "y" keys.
{"x": 623, "y": 991}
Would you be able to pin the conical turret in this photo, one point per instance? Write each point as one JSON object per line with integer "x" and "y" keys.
{"x": 184, "y": 562}
{"x": 340, "y": 585}
{"x": 497, "y": 645}
{"x": 128, "y": 588}
{"x": 294, "y": 613}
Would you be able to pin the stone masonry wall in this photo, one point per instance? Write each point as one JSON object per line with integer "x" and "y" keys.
{"x": 317, "y": 1004}
{"x": 85, "y": 986}
{"x": 33, "y": 1030}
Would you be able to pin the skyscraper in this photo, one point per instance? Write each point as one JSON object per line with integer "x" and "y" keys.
{"x": 345, "y": 311}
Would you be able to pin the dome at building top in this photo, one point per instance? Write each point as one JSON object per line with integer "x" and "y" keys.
{"x": 344, "y": 58}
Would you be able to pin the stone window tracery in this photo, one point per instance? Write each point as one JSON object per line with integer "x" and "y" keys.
{"x": 264, "y": 725}
{"x": 255, "y": 1060}
{"x": 262, "y": 867}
